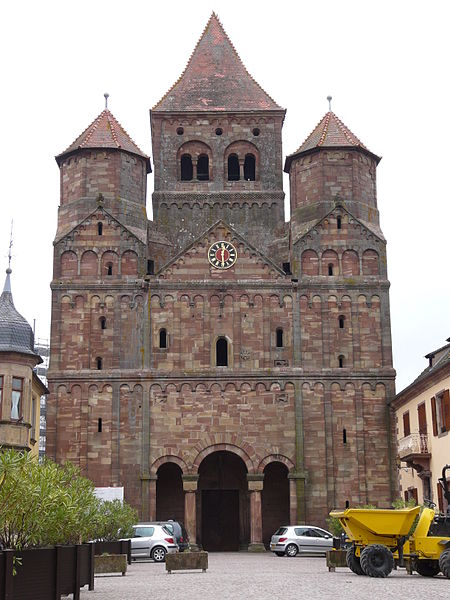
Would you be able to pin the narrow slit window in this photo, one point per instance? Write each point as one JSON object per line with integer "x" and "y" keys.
{"x": 341, "y": 361}
{"x": 99, "y": 425}
{"x": 187, "y": 170}
{"x": 233, "y": 168}
{"x": 102, "y": 323}
{"x": 109, "y": 269}
{"x": 222, "y": 352}
{"x": 330, "y": 269}
{"x": 100, "y": 228}
{"x": 347, "y": 504}
{"x": 287, "y": 268}
{"x": 99, "y": 363}
{"x": 341, "y": 322}
{"x": 344, "y": 436}
{"x": 279, "y": 335}
{"x": 339, "y": 222}
{"x": 150, "y": 267}
{"x": 163, "y": 338}
{"x": 203, "y": 167}
{"x": 249, "y": 167}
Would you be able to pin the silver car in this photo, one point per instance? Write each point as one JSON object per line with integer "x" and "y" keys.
{"x": 293, "y": 539}
{"x": 152, "y": 541}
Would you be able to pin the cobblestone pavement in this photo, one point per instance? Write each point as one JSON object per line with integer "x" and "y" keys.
{"x": 233, "y": 576}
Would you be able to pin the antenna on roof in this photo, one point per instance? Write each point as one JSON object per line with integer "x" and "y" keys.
{"x": 329, "y": 98}
{"x": 106, "y": 100}
{"x": 9, "y": 248}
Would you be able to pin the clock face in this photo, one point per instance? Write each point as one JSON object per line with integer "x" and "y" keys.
{"x": 222, "y": 255}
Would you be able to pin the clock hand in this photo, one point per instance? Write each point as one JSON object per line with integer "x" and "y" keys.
{"x": 222, "y": 252}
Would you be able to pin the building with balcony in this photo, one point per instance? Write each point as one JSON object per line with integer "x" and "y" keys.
{"x": 422, "y": 412}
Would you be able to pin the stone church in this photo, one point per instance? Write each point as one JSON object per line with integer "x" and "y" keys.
{"x": 226, "y": 367}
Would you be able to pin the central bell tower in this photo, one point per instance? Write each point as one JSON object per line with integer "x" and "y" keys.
{"x": 217, "y": 148}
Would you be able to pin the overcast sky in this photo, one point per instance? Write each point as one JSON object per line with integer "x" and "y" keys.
{"x": 386, "y": 64}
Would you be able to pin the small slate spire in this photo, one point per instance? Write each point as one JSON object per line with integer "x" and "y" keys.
{"x": 7, "y": 286}
{"x": 106, "y": 95}
{"x": 329, "y": 98}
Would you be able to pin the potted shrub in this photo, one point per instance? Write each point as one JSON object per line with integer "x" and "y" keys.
{"x": 115, "y": 522}
{"x": 187, "y": 560}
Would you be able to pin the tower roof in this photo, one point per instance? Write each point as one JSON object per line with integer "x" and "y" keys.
{"x": 16, "y": 334}
{"x": 215, "y": 79}
{"x": 331, "y": 132}
{"x": 104, "y": 132}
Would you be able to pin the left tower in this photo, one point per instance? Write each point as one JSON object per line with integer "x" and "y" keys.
{"x": 100, "y": 258}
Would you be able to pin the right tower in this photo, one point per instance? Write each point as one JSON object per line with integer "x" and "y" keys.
{"x": 343, "y": 341}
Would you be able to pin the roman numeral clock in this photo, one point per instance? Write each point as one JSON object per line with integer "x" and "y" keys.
{"x": 222, "y": 255}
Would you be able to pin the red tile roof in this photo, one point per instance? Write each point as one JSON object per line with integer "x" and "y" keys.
{"x": 330, "y": 133}
{"x": 104, "y": 132}
{"x": 215, "y": 79}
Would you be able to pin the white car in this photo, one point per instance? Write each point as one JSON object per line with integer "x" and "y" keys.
{"x": 152, "y": 541}
{"x": 291, "y": 540}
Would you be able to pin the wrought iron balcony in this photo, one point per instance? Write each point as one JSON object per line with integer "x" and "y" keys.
{"x": 414, "y": 450}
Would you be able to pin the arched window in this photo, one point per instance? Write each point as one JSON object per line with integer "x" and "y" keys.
{"x": 341, "y": 361}
{"x": 203, "y": 167}
{"x": 339, "y": 222}
{"x": 222, "y": 352}
{"x": 102, "y": 323}
{"x": 330, "y": 269}
{"x": 99, "y": 363}
{"x": 279, "y": 333}
{"x": 162, "y": 338}
{"x": 249, "y": 167}
{"x": 341, "y": 322}
{"x": 109, "y": 269}
{"x": 100, "y": 228}
{"x": 186, "y": 167}
{"x": 233, "y": 168}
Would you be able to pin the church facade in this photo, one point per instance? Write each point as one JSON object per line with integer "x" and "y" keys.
{"x": 227, "y": 368}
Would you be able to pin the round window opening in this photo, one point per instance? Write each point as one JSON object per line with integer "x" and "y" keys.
{"x": 180, "y": 130}
{"x": 256, "y": 132}
{"x": 219, "y": 131}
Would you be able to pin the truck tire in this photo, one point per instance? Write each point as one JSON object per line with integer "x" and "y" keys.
{"x": 353, "y": 561}
{"x": 444, "y": 563}
{"x": 377, "y": 560}
{"x": 427, "y": 568}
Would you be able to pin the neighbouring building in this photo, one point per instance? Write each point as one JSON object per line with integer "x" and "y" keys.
{"x": 422, "y": 414}
{"x": 226, "y": 367}
{"x": 20, "y": 387}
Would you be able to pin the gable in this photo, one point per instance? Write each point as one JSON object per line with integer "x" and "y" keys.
{"x": 194, "y": 263}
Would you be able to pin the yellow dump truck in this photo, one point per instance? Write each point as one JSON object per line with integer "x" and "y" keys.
{"x": 410, "y": 537}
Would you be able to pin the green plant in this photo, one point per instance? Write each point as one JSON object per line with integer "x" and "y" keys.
{"x": 334, "y": 526}
{"x": 115, "y": 520}
{"x": 399, "y": 503}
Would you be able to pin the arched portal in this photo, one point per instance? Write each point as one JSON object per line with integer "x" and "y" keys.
{"x": 275, "y": 499}
{"x": 169, "y": 493}
{"x": 222, "y": 503}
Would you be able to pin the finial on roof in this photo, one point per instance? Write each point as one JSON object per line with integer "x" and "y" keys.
{"x": 106, "y": 100}
{"x": 10, "y": 246}
{"x": 329, "y": 98}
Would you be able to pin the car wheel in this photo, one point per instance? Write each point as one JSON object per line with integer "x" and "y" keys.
{"x": 291, "y": 550}
{"x": 279, "y": 553}
{"x": 377, "y": 560}
{"x": 353, "y": 561}
{"x": 158, "y": 554}
{"x": 444, "y": 563}
{"x": 427, "y": 568}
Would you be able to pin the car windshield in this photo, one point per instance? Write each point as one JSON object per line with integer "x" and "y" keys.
{"x": 280, "y": 531}
{"x": 143, "y": 531}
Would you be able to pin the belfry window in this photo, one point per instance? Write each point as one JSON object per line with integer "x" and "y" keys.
{"x": 100, "y": 228}
{"x": 99, "y": 363}
{"x": 330, "y": 269}
{"x": 339, "y": 222}
{"x": 341, "y": 361}
{"x": 162, "y": 338}
{"x": 233, "y": 168}
{"x": 203, "y": 167}
{"x": 341, "y": 322}
{"x": 102, "y": 323}
{"x": 109, "y": 269}
{"x": 279, "y": 334}
{"x": 222, "y": 352}
{"x": 186, "y": 167}
{"x": 249, "y": 167}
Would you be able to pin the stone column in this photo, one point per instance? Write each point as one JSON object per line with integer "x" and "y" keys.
{"x": 292, "y": 501}
{"x": 255, "y": 486}
{"x": 190, "y": 483}
{"x": 241, "y": 169}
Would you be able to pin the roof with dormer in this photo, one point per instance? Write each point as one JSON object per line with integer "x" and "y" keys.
{"x": 330, "y": 132}
{"x": 104, "y": 132}
{"x": 16, "y": 334}
{"x": 215, "y": 79}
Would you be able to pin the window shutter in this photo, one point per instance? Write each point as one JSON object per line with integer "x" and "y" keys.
{"x": 433, "y": 414}
{"x": 445, "y": 402}
{"x": 406, "y": 426}
{"x": 415, "y": 496}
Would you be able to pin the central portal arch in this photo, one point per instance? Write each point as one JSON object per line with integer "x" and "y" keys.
{"x": 223, "y": 513}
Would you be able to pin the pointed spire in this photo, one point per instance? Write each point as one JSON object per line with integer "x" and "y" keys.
{"x": 104, "y": 132}
{"x": 329, "y": 133}
{"x": 215, "y": 79}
